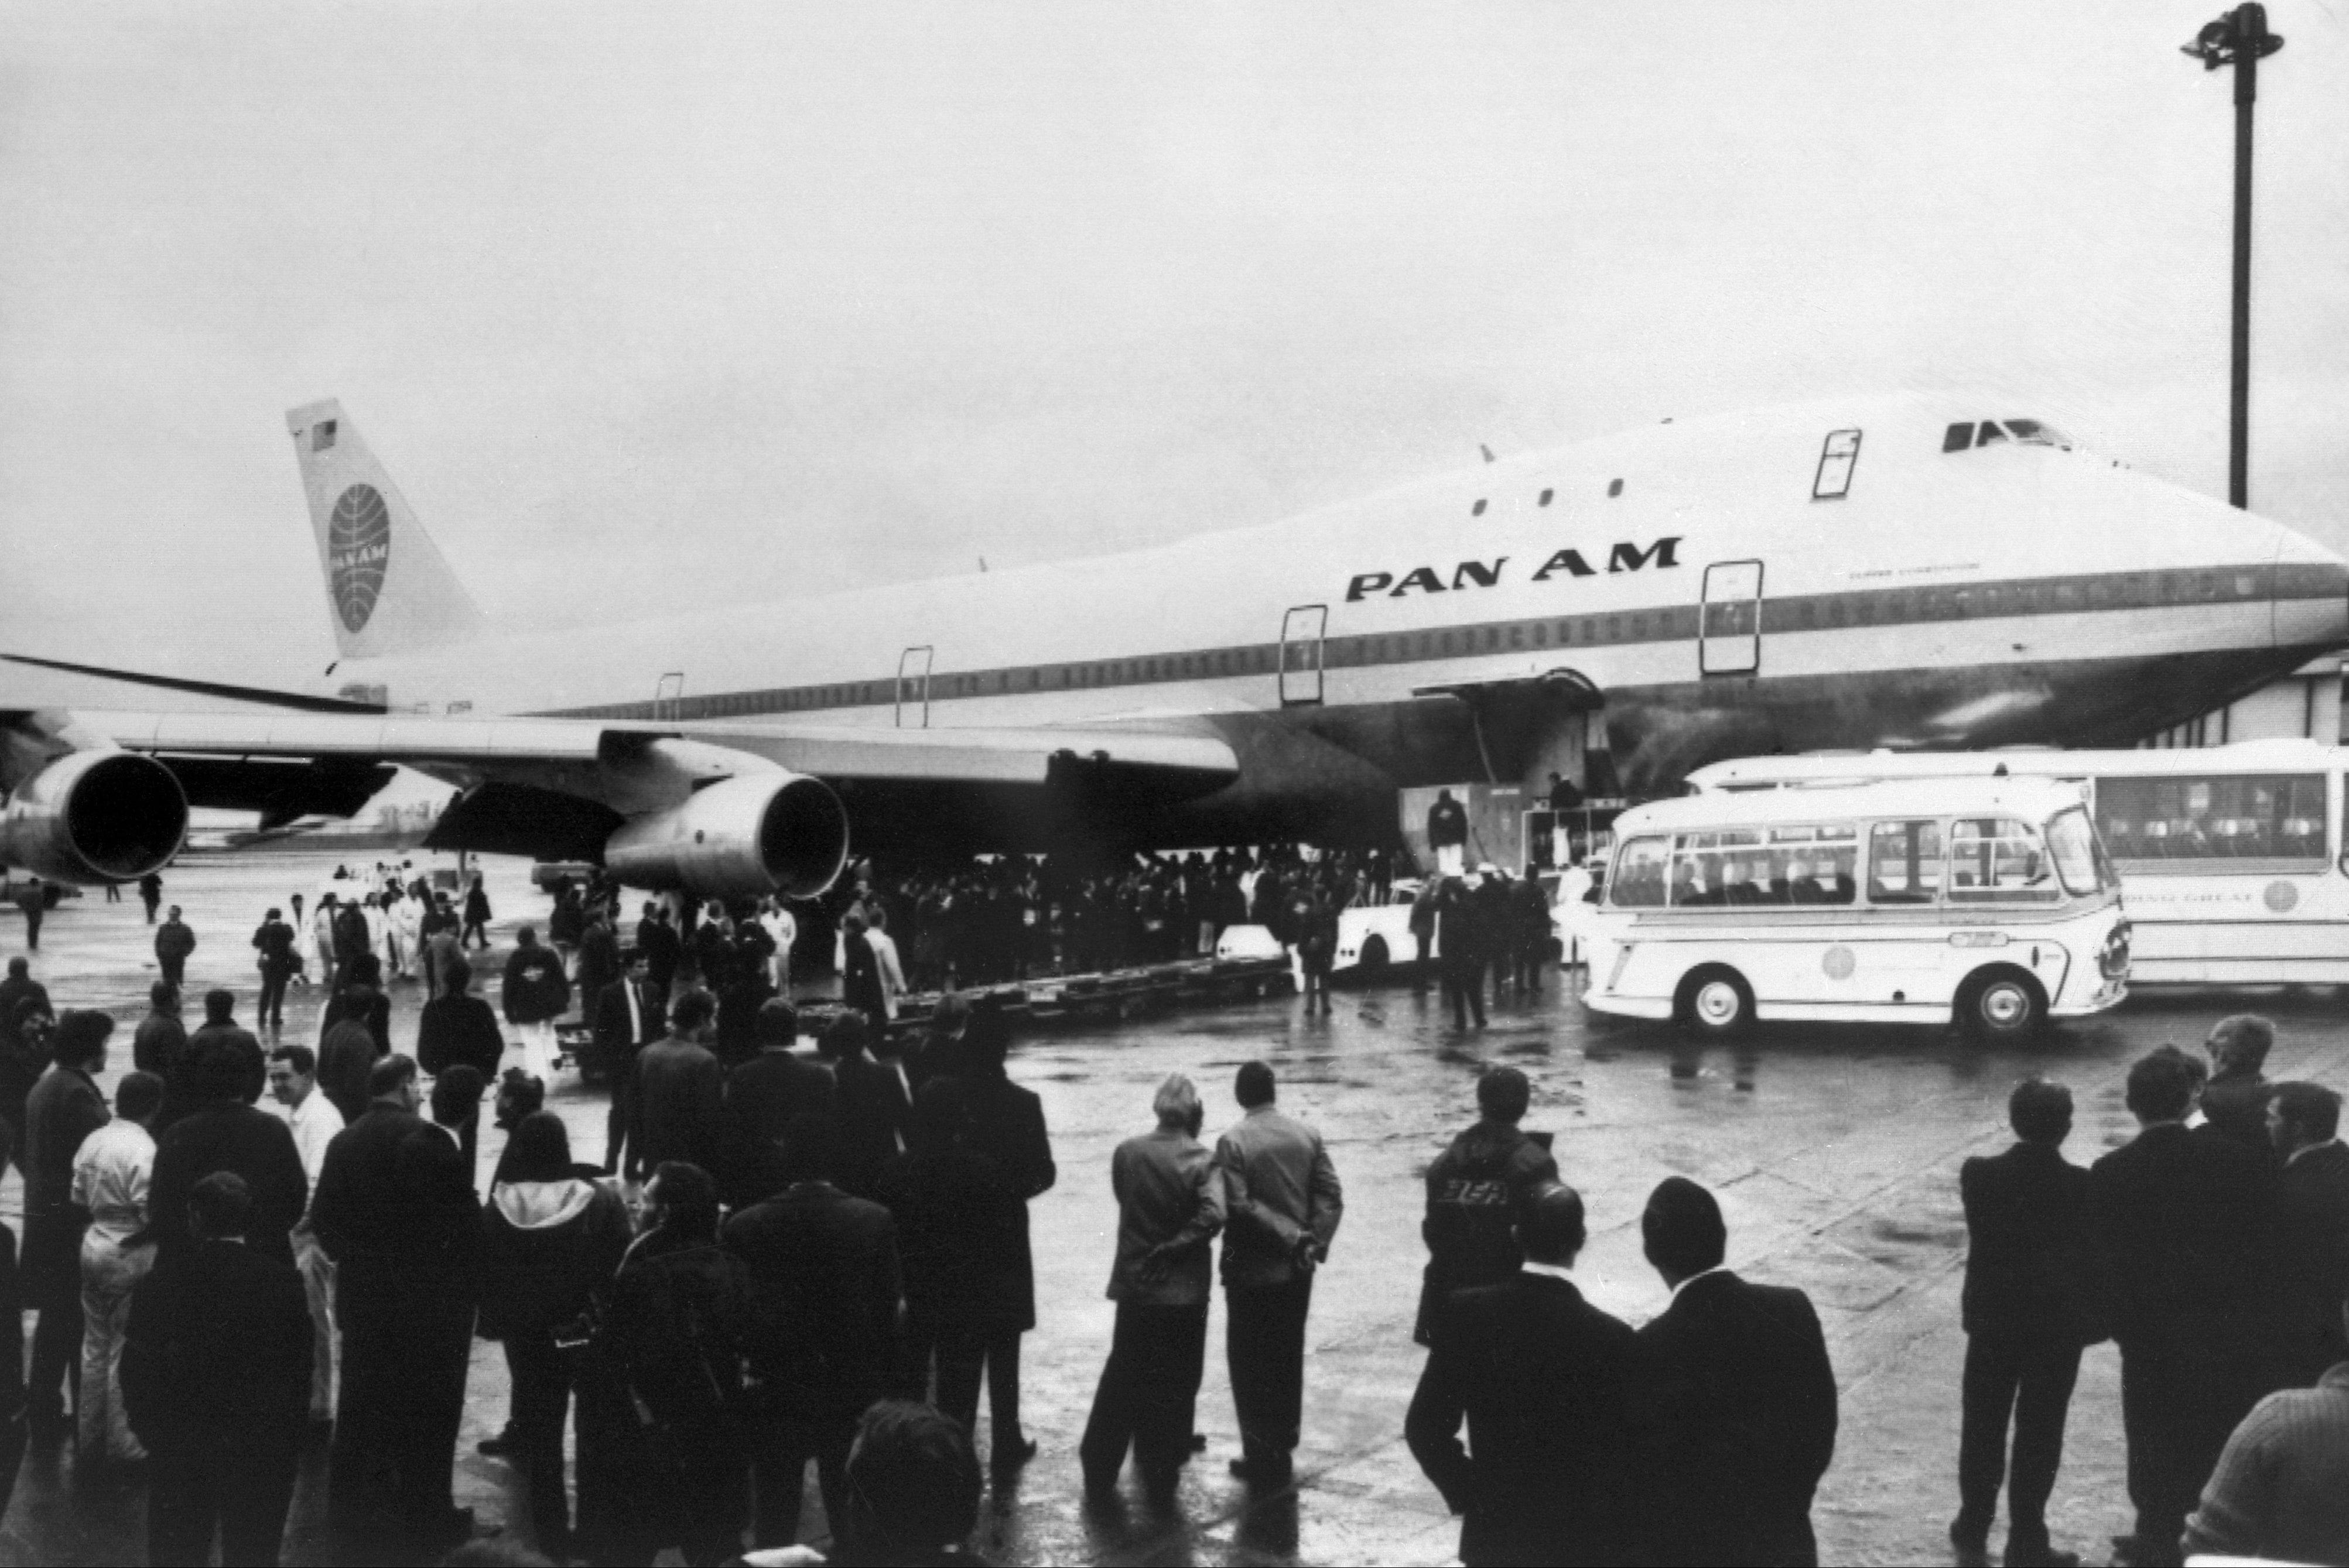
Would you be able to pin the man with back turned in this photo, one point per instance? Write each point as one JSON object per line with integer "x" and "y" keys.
{"x": 2183, "y": 1224}
{"x": 1543, "y": 1380}
{"x": 1739, "y": 1395}
{"x": 2029, "y": 1307}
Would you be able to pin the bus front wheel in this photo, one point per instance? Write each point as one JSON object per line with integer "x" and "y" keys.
{"x": 1716, "y": 1001}
{"x": 2002, "y": 1004}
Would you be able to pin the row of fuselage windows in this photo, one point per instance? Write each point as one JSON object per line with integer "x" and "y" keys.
{"x": 1891, "y": 606}
{"x": 1614, "y": 489}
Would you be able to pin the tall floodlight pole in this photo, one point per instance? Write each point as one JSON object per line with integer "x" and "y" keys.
{"x": 2239, "y": 39}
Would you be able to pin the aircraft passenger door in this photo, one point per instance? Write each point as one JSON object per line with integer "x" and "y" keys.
{"x": 1730, "y": 640}
{"x": 668, "y": 698}
{"x": 1301, "y": 653}
{"x": 913, "y": 686}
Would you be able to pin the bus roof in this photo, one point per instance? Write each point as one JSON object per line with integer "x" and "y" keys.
{"x": 1851, "y": 768}
{"x": 2034, "y": 799}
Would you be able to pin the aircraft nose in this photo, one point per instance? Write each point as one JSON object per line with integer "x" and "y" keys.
{"x": 2310, "y": 601}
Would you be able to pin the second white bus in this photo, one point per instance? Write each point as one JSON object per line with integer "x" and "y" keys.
{"x": 2232, "y": 857}
{"x": 1986, "y": 901}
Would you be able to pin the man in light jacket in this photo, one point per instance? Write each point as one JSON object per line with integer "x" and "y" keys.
{"x": 1170, "y": 1205}
{"x": 1283, "y": 1204}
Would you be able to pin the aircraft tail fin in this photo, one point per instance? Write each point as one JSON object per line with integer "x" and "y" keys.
{"x": 389, "y": 590}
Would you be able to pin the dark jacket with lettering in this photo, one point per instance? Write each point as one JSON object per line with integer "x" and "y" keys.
{"x": 534, "y": 989}
{"x": 1475, "y": 1190}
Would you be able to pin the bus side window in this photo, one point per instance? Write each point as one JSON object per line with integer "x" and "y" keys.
{"x": 1639, "y": 879}
{"x": 1904, "y": 862}
{"x": 2216, "y": 817}
{"x": 1998, "y": 859}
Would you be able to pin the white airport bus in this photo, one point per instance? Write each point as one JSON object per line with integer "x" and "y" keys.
{"x": 1988, "y": 900}
{"x": 2233, "y": 857}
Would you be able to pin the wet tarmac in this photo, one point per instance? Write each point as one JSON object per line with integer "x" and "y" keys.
{"x": 1833, "y": 1152}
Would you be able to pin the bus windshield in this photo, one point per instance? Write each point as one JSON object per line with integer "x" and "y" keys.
{"x": 2079, "y": 858}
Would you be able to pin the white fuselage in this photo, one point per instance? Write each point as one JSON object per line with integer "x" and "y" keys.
{"x": 2011, "y": 593}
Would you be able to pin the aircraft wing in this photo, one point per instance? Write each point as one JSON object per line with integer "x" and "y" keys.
{"x": 562, "y": 788}
{"x": 834, "y": 753}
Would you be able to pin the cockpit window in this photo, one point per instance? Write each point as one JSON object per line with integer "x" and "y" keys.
{"x": 2038, "y": 433}
{"x": 1968, "y": 434}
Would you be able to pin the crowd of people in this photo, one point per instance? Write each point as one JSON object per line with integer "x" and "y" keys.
{"x": 2214, "y": 1249}
{"x": 827, "y": 1265}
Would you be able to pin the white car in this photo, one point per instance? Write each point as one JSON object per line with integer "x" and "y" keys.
{"x": 1369, "y": 939}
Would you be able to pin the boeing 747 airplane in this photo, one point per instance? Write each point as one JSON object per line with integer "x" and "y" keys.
{"x": 1915, "y": 572}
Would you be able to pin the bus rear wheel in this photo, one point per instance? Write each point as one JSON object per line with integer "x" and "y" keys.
{"x": 1373, "y": 961}
{"x": 1716, "y": 1001}
{"x": 2002, "y": 1004}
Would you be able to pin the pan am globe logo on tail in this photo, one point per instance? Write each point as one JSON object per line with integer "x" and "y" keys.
{"x": 359, "y": 546}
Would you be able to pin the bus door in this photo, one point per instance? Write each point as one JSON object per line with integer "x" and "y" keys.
{"x": 913, "y": 687}
{"x": 1301, "y": 653}
{"x": 1730, "y": 640}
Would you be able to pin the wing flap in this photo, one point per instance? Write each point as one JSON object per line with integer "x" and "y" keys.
{"x": 1175, "y": 763}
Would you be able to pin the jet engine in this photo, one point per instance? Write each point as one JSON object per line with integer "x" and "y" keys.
{"x": 94, "y": 816}
{"x": 747, "y": 836}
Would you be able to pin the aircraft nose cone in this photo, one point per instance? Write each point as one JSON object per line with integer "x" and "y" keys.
{"x": 2310, "y": 599}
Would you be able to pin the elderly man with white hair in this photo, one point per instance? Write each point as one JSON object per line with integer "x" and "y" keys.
{"x": 1170, "y": 1206}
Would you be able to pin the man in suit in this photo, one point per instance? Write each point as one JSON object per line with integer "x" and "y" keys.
{"x": 216, "y": 1377}
{"x": 2235, "y": 1100}
{"x": 64, "y": 1107}
{"x": 663, "y": 949}
{"x": 875, "y": 1103}
{"x": 174, "y": 942}
{"x": 628, "y": 1017}
{"x": 221, "y": 1132}
{"x": 1282, "y": 1202}
{"x": 21, "y": 1063}
{"x": 1007, "y": 1127}
{"x": 2184, "y": 1225}
{"x": 599, "y": 960}
{"x": 396, "y": 1211}
{"x": 679, "y": 1105}
{"x": 2312, "y": 1193}
{"x": 274, "y": 941}
{"x": 160, "y": 1040}
{"x": 2029, "y": 1307}
{"x": 1447, "y": 834}
{"x": 763, "y": 1097}
{"x": 1738, "y": 1396}
{"x": 826, "y": 1288}
{"x": 1542, "y": 1379}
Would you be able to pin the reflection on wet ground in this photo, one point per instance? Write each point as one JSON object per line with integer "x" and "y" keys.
{"x": 1834, "y": 1152}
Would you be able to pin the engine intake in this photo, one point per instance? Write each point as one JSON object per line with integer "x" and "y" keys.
{"x": 747, "y": 836}
{"x": 96, "y": 816}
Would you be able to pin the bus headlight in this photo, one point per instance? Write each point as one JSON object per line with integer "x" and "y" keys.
{"x": 2113, "y": 958}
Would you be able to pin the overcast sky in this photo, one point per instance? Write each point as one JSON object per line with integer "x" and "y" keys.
{"x": 658, "y": 306}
